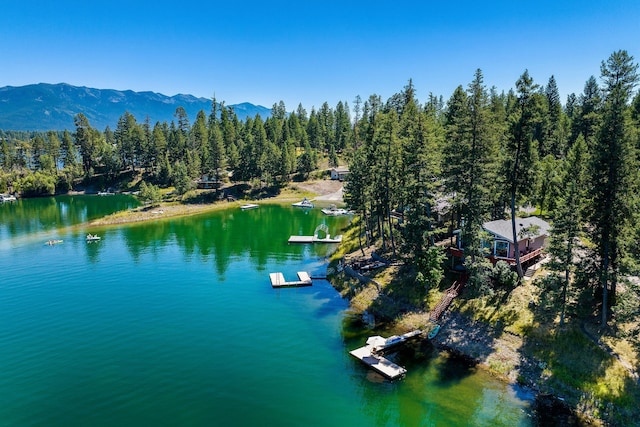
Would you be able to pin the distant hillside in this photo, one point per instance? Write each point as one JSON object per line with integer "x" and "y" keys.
{"x": 52, "y": 106}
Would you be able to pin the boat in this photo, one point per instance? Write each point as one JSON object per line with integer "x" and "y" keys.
{"x": 92, "y": 237}
{"x": 53, "y": 242}
{"x": 106, "y": 193}
{"x": 249, "y": 206}
{"x": 7, "y": 198}
{"x": 434, "y": 332}
{"x": 335, "y": 211}
{"x": 305, "y": 203}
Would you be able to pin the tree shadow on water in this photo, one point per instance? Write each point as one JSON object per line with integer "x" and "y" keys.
{"x": 453, "y": 368}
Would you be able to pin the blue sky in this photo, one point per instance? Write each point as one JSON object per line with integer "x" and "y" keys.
{"x": 310, "y": 52}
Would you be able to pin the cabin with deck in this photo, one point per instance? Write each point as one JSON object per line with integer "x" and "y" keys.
{"x": 532, "y": 235}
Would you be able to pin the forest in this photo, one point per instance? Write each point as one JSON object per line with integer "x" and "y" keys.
{"x": 486, "y": 152}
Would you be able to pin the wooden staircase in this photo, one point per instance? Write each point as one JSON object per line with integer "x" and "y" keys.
{"x": 446, "y": 299}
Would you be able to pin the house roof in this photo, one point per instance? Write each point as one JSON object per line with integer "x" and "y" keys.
{"x": 341, "y": 169}
{"x": 502, "y": 228}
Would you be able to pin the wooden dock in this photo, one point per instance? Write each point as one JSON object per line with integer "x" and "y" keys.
{"x": 372, "y": 353}
{"x": 322, "y": 228}
{"x": 314, "y": 239}
{"x": 378, "y": 363}
{"x": 278, "y": 281}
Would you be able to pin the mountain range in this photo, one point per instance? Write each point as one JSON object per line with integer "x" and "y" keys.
{"x": 43, "y": 106}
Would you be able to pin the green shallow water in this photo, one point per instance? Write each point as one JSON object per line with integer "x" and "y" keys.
{"x": 175, "y": 323}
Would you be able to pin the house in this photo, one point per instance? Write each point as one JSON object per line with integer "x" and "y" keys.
{"x": 339, "y": 173}
{"x": 532, "y": 234}
{"x": 205, "y": 182}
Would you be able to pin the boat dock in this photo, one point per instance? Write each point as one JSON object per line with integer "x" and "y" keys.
{"x": 277, "y": 280}
{"x": 316, "y": 236}
{"x": 378, "y": 363}
{"x": 372, "y": 354}
{"x": 314, "y": 239}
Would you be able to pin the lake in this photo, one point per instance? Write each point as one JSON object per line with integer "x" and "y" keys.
{"x": 174, "y": 322}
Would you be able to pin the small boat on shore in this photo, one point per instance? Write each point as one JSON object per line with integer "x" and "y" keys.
{"x": 92, "y": 237}
{"x": 434, "y": 332}
{"x": 305, "y": 203}
{"x": 249, "y": 206}
{"x": 7, "y": 198}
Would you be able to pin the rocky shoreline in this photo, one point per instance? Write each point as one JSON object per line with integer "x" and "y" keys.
{"x": 499, "y": 352}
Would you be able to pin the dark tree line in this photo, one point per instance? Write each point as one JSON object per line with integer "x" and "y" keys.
{"x": 216, "y": 145}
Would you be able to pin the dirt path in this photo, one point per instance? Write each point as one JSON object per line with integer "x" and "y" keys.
{"x": 332, "y": 197}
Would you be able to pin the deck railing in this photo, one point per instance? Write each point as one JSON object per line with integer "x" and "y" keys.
{"x": 512, "y": 261}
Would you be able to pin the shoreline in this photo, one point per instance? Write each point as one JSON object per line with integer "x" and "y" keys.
{"x": 502, "y": 354}
{"x": 324, "y": 191}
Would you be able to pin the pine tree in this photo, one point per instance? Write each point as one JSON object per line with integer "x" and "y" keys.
{"x": 521, "y": 157}
{"x": 568, "y": 215}
{"x": 554, "y": 137}
{"x": 85, "y": 140}
{"x": 68, "y": 153}
{"x": 613, "y": 170}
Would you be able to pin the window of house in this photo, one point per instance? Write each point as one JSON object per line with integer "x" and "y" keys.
{"x": 502, "y": 248}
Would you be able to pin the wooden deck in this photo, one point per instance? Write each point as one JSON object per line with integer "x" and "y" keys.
{"x": 278, "y": 281}
{"x": 378, "y": 363}
{"x": 458, "y": 253}
{"x": 372, "y": 354}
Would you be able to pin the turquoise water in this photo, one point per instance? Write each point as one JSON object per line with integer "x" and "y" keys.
{"x": 175, "y": 323}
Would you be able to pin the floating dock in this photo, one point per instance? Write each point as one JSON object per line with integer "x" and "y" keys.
{"x": 278, "y": 281}
{"x": 314, "y": 239}
{"x": 372, "y": 354}
{"x": 316, "y": 236}
{"x": 379, "y": 363}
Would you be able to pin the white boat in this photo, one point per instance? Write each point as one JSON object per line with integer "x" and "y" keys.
{"x": 7, "y": 198}
{"x": 53, "y": 242}
{"x": 335, "y": 211}
{"x": 105, "y": 193}
{"x": 92, "y": 237}
{"x": 249, "y": 206}
{"x": 305, "y": 203}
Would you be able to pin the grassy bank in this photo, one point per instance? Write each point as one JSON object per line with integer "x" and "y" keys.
{"x": 202, "y": 201}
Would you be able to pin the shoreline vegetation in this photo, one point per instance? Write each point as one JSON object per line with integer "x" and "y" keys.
{"x": 522, "y": 351}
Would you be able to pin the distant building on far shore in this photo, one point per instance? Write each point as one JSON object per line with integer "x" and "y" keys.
{"x": 339, "y": 173}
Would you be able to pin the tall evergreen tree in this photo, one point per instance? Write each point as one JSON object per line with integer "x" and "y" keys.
{"x": 68, "y": 151}
{"x": 554, "y": 137}
{"x": 568, "y": 215}
{"x": 521, "y": 158}
{"x": 85, "y": 140}
{"x": 613, "y": 171}
{"x": 421, "y": 145}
